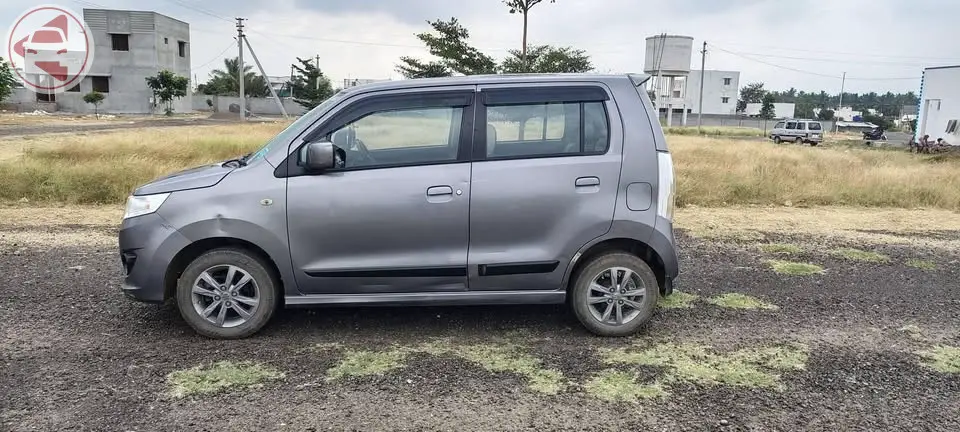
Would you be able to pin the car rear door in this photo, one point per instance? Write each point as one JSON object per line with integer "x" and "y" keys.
{"x": 545, "y": 179}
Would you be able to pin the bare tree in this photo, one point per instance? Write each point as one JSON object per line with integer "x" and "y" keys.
{"x": 523, "y": 7}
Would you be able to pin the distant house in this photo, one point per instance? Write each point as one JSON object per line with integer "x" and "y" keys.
{"x": 940, "y": 104}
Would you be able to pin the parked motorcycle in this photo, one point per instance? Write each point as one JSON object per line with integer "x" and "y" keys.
{"x": 874, "y": 135}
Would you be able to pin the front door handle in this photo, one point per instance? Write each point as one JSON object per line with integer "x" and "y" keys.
{"x": 439, "y": 190}
{"x": 588, "y": 181}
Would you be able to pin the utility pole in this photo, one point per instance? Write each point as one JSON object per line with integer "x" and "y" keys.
{"x": 843, "y": 82}
{"x": 703, "y": 65}
{"x": 293, "y": 70}
{"x": 264, "y": 73}
{"x": 316, "y": 62}
{"x": 243, "y": 104}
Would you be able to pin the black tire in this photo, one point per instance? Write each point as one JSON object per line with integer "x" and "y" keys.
{"x": 777, "y": 140}
{"x": 264, "y": 280}
{"x": 799, "y": 141}
{"x": 580, "y": 294}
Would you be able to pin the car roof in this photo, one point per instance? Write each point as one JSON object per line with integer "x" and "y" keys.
{"x": 483, "y": 79}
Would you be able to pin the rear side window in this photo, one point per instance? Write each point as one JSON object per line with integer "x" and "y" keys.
{"x": 556, "y": 125}
{"x": 791, "y": 125}
{"x": 801, "y": 126}
{"x": 815, "y": 126}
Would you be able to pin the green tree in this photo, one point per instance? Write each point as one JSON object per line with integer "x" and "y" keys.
{"x": 825, "y": 114}
{"x": 547, "y": 59}
{"x": 523, "y": 7}
{"x": 166, "y": 87}
{"x": 226, "y": 81}
{"x": 310, "y": 86}
{"x": 94, "y": 98}
{"x": 878, "y": 120}
{"x": 751, "y": 93}
{"x": 767, "y": 111}
{"x": 454, "y": 54}
{"x": 7, "y": 81}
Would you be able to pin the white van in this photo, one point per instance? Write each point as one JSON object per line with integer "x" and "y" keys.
{"x": 799, "y": 131}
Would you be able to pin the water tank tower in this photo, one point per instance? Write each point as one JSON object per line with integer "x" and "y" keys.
{"x": 667, "y": 60}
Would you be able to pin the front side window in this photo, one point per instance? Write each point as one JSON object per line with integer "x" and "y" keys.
{"x": 399, "y": 137}
{"x": 544, "y": 129}
{"x": 791, "y": 125}
{"x": 779, "y": 125}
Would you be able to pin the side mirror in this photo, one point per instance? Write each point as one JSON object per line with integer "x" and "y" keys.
{"x": 317, "y": 156}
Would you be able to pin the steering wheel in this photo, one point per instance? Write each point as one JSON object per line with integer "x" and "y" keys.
{"x": 346, "y": 139}
{"x": 361, "y": 150}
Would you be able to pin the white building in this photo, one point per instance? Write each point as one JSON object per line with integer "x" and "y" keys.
{"x": 940, "y": 104}
{"x": 846, "y": 113}
{"x": 780, "y": 110}
{"x": 720, "y": 92}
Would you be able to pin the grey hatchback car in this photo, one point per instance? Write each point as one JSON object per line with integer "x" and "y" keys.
{"x": 507, "y": 189}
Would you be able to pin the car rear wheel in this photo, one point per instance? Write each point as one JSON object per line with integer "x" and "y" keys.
{"x": 799, "y": 141}
{"x": 227, "y": 294}
{"x": 777, "y": 139}
{"x": 614, "y": 294}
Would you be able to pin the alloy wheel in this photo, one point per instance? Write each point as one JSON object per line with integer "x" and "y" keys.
{"x": 225, "y": 295}
{"x": 616, "y": 296}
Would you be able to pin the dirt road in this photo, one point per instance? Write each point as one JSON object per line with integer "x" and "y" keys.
{"x": 851, "y": 348}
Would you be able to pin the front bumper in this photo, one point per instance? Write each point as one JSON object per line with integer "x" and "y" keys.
{"x": 148, "y": 244}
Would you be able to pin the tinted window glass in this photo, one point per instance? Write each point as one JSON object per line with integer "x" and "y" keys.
{"x": 547, "y": 129}
{"x": 791, "y": 125}
{"x": 814, "y": 126}
{"x": 400, "y": 137}
{"x": 801, "y": 126}
{"x": 779, "y": 125}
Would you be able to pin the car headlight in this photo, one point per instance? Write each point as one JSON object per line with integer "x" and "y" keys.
{"x": 143, "y": 204}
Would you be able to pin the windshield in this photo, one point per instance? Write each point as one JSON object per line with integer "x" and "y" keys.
{"x": 290, "y": 131}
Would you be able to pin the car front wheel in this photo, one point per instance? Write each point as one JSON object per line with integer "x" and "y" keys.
{"x": 615, "y": 294}
{"x": 227, "y": 294}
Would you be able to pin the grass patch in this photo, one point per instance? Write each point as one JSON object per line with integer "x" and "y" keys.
{"x": 677, "y": 300}
{"x": 219, "y": 377}
{"x": 860, "y": 255}
{"x": 618, "y": 386}
{"x": 103, "y": 167}
{"x": 715, "y": 131}
{"x": 921, "y": 264}
{"x": 504, "y": 358}
{"x": 701, "y": 365}
{"x": 794, "y": 268}
{"x": 943, "y": 358}
{"x": 740, "y": 301}
{"x": 365, "y": 363}
{"x": 781, "y": 248}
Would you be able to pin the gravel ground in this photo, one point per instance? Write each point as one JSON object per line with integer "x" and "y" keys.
{"x": 76, "y": 354}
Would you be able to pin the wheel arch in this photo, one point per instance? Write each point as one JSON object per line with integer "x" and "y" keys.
{"x": 185, "y": 256}
{"x": 634, "y": 247}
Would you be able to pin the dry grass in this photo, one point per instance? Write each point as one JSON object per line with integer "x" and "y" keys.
{"x": 921, "y": 264}
{"x": 618, "y": 386}
{"x": 781, "y": 248}
{"x": 722, "y": 172}
{"x": 364, "y": 363}
{"x": 103, "y": 167}
{"x": 716, "y": 131}
{"x": 856, "y": 224}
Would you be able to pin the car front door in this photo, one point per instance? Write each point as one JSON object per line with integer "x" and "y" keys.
{"x": 545, "y": 178}
{"x": 392, "y": 216}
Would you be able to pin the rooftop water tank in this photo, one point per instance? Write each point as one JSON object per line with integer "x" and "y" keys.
{"x": 668, "y": 54}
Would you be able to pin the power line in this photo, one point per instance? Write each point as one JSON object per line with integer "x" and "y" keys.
{"x": 809, "y": 72}
{"x": 861, "y": 54}
{"x": 201, "y": 10}
{"x": 867, "y": 62}
{"x": 218, "y": 57}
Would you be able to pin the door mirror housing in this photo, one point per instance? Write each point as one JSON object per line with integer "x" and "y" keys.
{"x": 317, "y": 155}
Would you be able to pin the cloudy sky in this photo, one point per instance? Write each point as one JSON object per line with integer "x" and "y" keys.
{"x": 881, "y": 44}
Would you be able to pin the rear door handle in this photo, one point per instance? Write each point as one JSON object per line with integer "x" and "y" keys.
{"x": 588, "y": 181}
{"x": 439, "y": 190}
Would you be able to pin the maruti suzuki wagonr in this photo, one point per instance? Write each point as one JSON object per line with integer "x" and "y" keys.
{"x": 509, "y": 189}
